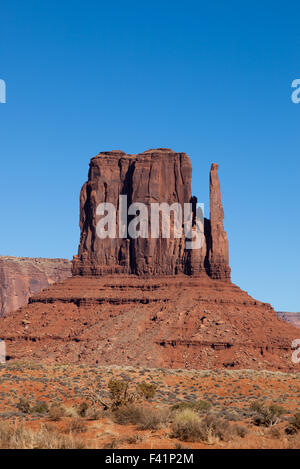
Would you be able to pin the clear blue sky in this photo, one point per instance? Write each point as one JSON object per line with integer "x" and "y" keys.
{"x": 212, "y": 79}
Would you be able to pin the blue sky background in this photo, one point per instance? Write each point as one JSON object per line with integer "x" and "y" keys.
{"x": 212, "y": 79}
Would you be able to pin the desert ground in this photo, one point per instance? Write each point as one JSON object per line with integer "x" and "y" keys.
{"x": 85, "y": 406}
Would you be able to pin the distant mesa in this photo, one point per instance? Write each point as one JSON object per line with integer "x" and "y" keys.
{"x": 22, "y": 277}
{"x": 292, "y": 318}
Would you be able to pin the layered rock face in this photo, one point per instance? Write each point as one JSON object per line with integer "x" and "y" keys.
{"x": 169, "y": 322}
{"x": 21, "y": 277}
{"x": 155, "y": 176}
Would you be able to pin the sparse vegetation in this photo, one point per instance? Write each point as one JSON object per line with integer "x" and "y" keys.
{"x": 62, "y": 404}
{"x": 146, "y": 418}
{"x": 197, "y": 406}
{"x": 18, "y": 437}
{"x": 40, "y": 408}
{"x": 188, "y": 426}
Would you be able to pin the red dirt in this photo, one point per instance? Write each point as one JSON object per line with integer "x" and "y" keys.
{"x": 175, "y": 322}
{"x": 228, "y": 391}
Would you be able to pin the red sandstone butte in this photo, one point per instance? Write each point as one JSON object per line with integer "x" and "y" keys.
{"x": 21, "y": 277}
{"x": 160, "y": 175}
{"x": 145, "y": 303}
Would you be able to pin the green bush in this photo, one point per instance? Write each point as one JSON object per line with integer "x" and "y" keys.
{"x": 146, "y": 390}
{"x": 119, "y": 393}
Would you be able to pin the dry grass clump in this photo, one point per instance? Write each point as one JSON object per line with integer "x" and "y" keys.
{"x": 56, "y": 412}
{"x": 146, "y": 418}
{"x": 188, "y": 426}
{"x": 129, "y": 414}
{"x": 14, "y": 436}
{"x": 94, "y": 413}
{"x": 152, "y": 419}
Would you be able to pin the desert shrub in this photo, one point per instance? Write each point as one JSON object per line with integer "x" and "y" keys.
{"x": 188, "y": 426}
{"x": 197, "y": 406}
{"x": 145, "y": 418}
{"x": 93, "y": 413}
{"x": 151, "y": 419}
{"x": 216, "y": 428}
{"x": 56, "y": 412}
{"x": 40, "y": 408}
{"x": 23, "y": 405}
{"x": 146, "y": 390}
{"x": 277, "y": 409}
{"x": 119, "y": 393}
{"x": 82, "y": 410}
{"x": 294, "y": 425}
{"x": 239, "y": 430}
{"x": 266, "y": 415}
{"x": 256, "y": 406}
{"x": 128, "y": 414}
